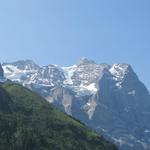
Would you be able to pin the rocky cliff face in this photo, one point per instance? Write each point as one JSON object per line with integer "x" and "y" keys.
{"x": 2, "y": 78}
{"x": 109, "y": 98}
{"x": 1, "y": 72}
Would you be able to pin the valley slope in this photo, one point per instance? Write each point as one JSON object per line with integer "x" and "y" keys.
{"x": 28, "y": 122}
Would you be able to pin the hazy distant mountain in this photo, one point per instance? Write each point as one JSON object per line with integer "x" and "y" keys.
{"x": 108, "y": 98}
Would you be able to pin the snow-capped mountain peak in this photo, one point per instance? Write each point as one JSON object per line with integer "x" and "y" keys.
{"x": 20, "y": 70}
{"x": 119, "y": 70}
{"x": 50, "y": 75}
{"x": 85, "y": 61}
{"x": 82, "y": 78}
{"x": 23, "y": 65}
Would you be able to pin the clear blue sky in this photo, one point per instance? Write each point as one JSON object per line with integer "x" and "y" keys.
{"x": 63, "y": 31}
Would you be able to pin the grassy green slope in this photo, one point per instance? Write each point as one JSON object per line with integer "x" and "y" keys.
{"x": 28, "y": 122}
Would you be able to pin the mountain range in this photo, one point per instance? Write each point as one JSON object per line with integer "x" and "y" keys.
{"x": 108, "y": 98}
